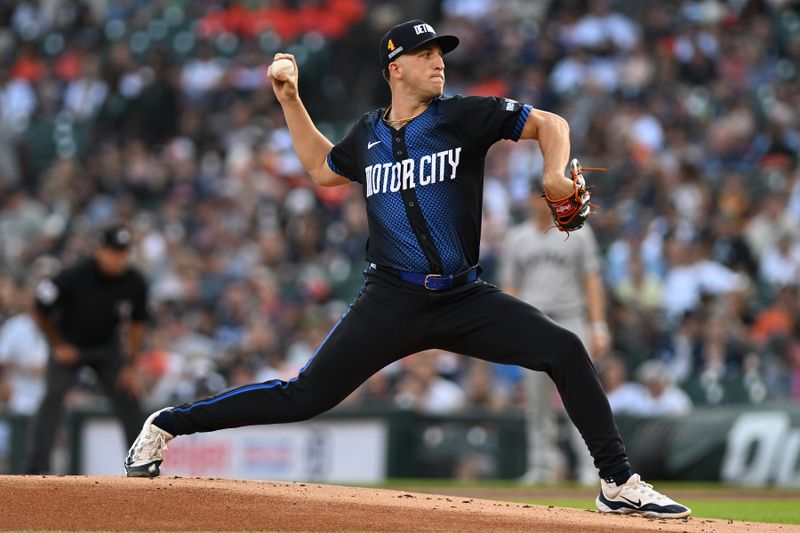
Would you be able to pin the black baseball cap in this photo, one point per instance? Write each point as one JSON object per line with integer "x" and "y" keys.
{"x": 409, "y": 36}
{"x": 116, "y": 237}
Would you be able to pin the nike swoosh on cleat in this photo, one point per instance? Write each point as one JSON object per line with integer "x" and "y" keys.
{"x": 370, "y": 145}
{"x": 636, "y": 503}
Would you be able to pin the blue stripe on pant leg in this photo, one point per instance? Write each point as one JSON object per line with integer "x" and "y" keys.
{"x": 266, "y": 385}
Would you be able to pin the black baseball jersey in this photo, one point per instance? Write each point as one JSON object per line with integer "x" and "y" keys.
{"x": 87, "y": 305}
{"x": 423, "y": 186}
{"x": 423, "y": 183}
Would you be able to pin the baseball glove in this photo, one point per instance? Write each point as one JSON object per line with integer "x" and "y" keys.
{"x": 569, "y": 213}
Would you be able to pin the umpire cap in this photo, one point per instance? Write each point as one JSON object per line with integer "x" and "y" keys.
{"x": 409, "y": 36}
{"x": 116, "y": 237}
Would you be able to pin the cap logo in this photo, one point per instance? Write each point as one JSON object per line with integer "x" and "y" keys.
{"x": 424, "y": 28}
{"x": 390, "y": 46}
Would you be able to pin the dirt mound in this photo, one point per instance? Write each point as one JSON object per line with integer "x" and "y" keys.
{"x": 195, "y": 504}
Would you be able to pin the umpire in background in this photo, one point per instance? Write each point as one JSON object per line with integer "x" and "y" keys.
{"x": 93, "y": 314}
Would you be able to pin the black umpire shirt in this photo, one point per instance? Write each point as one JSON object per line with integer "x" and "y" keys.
{"x": 87, "y": 306}
{"x": 423, "y": 183}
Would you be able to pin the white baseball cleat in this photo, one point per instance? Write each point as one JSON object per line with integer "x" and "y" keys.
{"x": 147, "y": 453}
{"x": 636, "y": 496}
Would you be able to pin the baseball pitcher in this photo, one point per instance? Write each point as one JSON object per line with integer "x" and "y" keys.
{"x": 419, "y": 164}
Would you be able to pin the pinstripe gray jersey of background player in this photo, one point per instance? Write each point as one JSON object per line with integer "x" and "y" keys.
{"x": 548, "y": 271}
{"x": 562, "y": 277}
{"x": 542, "y": 268}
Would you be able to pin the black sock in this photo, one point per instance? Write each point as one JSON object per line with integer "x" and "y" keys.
{"x": 618, "y": 479}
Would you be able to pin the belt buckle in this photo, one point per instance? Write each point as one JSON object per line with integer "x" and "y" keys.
{"x": 434, "y": 276}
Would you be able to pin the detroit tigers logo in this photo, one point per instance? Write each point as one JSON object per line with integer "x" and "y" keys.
{"x": 424, "y": 28}
{"x": 408, "y": 173}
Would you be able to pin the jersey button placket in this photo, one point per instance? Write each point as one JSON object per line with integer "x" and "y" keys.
{"x": 414, "y": 212}
{"x": 399, "y": 147}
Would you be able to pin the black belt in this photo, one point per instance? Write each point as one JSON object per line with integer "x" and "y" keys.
{"x": 434, "y": 282}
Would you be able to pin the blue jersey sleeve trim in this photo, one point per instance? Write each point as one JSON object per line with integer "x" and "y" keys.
{"x": 337, "y": 169}
{"x": 523, "y": 118}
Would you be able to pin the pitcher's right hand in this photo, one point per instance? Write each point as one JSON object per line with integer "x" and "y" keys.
{"x": 285, "y": 90}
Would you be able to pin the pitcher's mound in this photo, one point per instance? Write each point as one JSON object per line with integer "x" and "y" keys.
{"x": 194, "y": 504}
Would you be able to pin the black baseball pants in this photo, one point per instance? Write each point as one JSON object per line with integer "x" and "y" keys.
{"x": 107, "y": 362}
{"x": 391, "y": 319}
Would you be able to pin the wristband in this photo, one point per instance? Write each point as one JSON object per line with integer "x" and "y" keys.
{"x": 600, "y": 328}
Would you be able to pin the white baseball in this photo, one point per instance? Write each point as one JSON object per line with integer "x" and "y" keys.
{"x": 281, "y": 69}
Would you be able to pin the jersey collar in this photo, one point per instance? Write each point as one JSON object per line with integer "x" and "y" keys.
{"x": 384, "y": 110}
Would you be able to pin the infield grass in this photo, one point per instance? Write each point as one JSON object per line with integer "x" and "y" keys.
{"x": 778, "y": 512}
{"x": 707, "y": 500}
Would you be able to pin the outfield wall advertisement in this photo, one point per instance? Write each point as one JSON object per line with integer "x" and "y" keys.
{"x": 763, "y": 448}
{"x": 751, "y": 446}
{"x": 330, "y": 451}
{"x": 754, "y": 446}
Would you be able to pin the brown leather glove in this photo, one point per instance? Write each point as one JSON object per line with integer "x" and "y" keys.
{"x": 570, "y": 213}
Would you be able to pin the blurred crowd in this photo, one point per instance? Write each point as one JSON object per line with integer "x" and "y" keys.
{"x": 159, "y": 113}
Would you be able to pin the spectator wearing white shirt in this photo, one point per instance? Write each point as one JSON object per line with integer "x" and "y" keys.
{"x": 640, "y": 289}
{"x": 624, "y": 396}
{"x": 423, "y": 388}
{"x": 85, "y": 95}
{"x": 23, "y": 348}
{"x": 691, "y": 196}
{"x": 772, "y": 219}
{"x": 579, "y": 70}
{"x": 202, "y": 75}
{"x": 780, "y": 264}
{"x": 692, "y": 275}
{"x": 654, "y": 395}
{"x": 602, "y": 30}
{"x": 23, "y": 356}
{"x": 17, "y": 101}
{"x": 662, "y": 397}
{"x": 22, "y": 228}
{"x": 793, "y": 200}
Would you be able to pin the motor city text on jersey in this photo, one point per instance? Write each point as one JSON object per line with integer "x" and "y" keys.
{"x": 407, "y": 174}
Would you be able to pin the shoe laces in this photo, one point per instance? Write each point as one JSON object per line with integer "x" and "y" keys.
{"x": 150, "y": 446}
{"x": 646, "y": 489}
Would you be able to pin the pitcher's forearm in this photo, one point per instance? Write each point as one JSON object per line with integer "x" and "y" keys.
{"x": 552, "y": 132}
{"x": 555, "y": 145}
